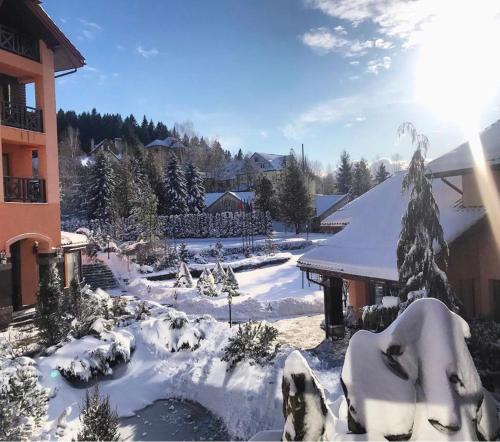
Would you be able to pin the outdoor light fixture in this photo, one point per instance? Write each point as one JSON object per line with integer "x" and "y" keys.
{"x": 59, "y": 252}
{"x": 3, "y": 257}
{"x": 35, "y": 248}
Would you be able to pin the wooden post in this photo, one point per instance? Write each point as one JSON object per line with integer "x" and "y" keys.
{"x": 334, "y": 315}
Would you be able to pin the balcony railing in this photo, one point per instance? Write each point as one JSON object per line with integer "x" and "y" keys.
{"x": 24, "y": 190}
{"x": 23, "y": 117}
{"x": 19, "y": 44}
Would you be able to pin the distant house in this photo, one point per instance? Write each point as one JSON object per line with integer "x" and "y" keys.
{"x": 219, "y": 202}
{"x": 324, "y": 206}
{"x": 363, "y": 253}
{"x": 166, "y": 148}
{"x": 114, "y": 147}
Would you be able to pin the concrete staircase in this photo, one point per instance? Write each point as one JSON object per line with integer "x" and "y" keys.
{"x": 99, "y": 275}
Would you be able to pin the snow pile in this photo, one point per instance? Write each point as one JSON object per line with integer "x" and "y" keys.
{"x": 416, "y": 379}
{"x": 307, "y": 416}
{"x": 95, "y": 354}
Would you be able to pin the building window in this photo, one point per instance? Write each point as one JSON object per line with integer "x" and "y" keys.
{"x": 495, "y": 298}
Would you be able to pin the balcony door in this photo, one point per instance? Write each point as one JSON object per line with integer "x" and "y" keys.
{"x": 5, "y": 165}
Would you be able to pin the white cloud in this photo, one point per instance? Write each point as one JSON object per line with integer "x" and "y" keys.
{"x": 88, "y": 68}
{"x": 374, "y": 66}
{"x": 354, "y": 62}
{"x": 354, "y": 77}
{"x": 89, "y": 29}
{"x": 340, "y": 30}
{"x": 147, "y": 53}
{"x": 383, "y": 44}
{"x": 264, "y": 133}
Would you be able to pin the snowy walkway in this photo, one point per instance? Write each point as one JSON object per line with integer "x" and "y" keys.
{"x": 303, "y": 332}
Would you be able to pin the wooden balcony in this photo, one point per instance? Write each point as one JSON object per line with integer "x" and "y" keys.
{"x": 22, "y": 117}
{"x": 17, "y": 43}
{"x": 24, "y": 190}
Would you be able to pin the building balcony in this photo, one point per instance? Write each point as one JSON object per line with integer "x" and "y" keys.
{"x": 24, "y": 190}
{"x": 17, "y": 43}
{"x": 22, "y": 117}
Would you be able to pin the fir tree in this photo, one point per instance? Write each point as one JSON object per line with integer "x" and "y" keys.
{"x": 264, "y": 195}
{"x": 175, "y": 189}
{"x": 344, "y": 174}
{"x": 295, "y": 204}
{"x": 231, "y": 286}
{"x": 126, "y": 187}
{"x": 206, "y": 283}
{"x": 99, "y": 421}
{"x": 153, "y": 172}
{"x": 361, "y": 179}
{"x": 23, "y": 401}
{"x": 382, "y": 173}
{"x": 51, "y": 321}
{"x": 145, "y": 212}
{"x": 183, "y": 252}
{"x": 421, "y": 230}
{"x": 195, "y": 190}
{"x": 219, "y": 276}
{"x": 101, "y": 189}
{"x": 183, "y": 277}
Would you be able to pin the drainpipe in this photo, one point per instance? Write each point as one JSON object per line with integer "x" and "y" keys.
{"x": 66, "y": 73}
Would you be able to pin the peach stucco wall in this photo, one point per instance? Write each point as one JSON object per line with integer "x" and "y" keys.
{"x": 29, "y": 273}
{"x": 358, "y": 293}
{"x": 20, "y": 219}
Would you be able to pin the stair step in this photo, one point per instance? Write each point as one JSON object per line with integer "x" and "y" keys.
{"x": 99, "y": 276}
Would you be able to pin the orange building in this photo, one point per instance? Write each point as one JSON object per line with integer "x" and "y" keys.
{"x": 33, "y": 53}
{"x": 361, "y": 257}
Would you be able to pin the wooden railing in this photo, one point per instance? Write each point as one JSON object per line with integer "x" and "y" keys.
{"x": 19, "y": 44}
{"x": 23, "y": 117}
{"x": 24, "y": 190}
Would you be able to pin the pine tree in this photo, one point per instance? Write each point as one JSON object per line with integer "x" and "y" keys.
{"x": 344, "y": 174}
{"x": 264, "y": 195}
{"x": 175, "y": 189}
{"x": 51, "y": 321}
{"x": 99, "y": 421}
{"x": 295, "y": 204}
{"x": 361, "y": 179}
{"x": 421, "y": 230}
{"x": 195, "y": 190}
{"x": 145, "y": 212}
{"x": 183, "y": 252}
{"x": 153, "y": 172}
{"x": 23, "y": 401}
{"x": 231, "y": 286}
{"x": 219, "y": 276}
{"x": 183, "y": 277}
{"x": 206, "y": 283}
{"x": 126, "y": 187}
{"x": 101, "y": 189}
{"x": 382, "y": 173}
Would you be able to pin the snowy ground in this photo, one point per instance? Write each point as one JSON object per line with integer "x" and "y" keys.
{"x": 267, "y": 293}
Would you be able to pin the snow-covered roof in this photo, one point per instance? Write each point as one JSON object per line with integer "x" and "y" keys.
{"x": 69, "y": 239}
{"x": 323, "y": 202}
{"x": 169, "y": 142}
{"x": 211, "y": 198}
{"x": 367, "y": 244}
{"x": 460, "y": 159}
{"x": 275, "y": 161}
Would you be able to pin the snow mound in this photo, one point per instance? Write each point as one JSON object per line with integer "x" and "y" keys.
{"x": 174, "y": 331}
{"x": 95, "y": 354}
{"x": 416, "y": 380}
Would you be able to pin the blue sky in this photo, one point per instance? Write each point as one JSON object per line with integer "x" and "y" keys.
{"x": 261, "y": 75}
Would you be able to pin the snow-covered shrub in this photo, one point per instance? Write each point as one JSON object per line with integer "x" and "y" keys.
{"x": 206, "y": 283}
{"x": 183, "y": 277}
{"x": 484, "y": 345}
{"x": 416, "y": 379}
{"x": 198, "y": 259}
{"x": 183, "y": 252}
{"x": 23, "y": 401}
{"x": 307, "y": 416}
{"x": 254, "y": 342}
{"x": 95, "y": 355}
{"x": 219, "y": 275}
{"x": 378, "y": 317}
{"x": 99, "y": 421}
{"x": 231, "y": 286}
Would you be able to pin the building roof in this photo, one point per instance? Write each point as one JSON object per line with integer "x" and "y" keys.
{"x": 324, "y": 202}
{"x": 460, "y": 160}
{"x": 169, "y": 142}
{"x": 366, "y": 247}
{"x": 66, "y": 56}
{"x": 69, "y": 239}
{"x": 275, "y": 161}
{"x": 212, "y": 198}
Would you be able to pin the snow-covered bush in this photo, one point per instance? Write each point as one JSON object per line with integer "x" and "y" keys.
{"x": 206, "y": 283}
{"x": 484, "y": 345}
{"x": 183, "y": 277}
{"x": 183, "y": 252}
{"x": 220, "y": 276}
{"x": 254, "y": 342}
{"x": 95, "y": 355}
{"x": 378, "y": 317}
{"x": 416, "y": 379}
{"x": 23, "y": 401}
{"x": 231, "y": 286}
{"x": 98, "y": 420}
